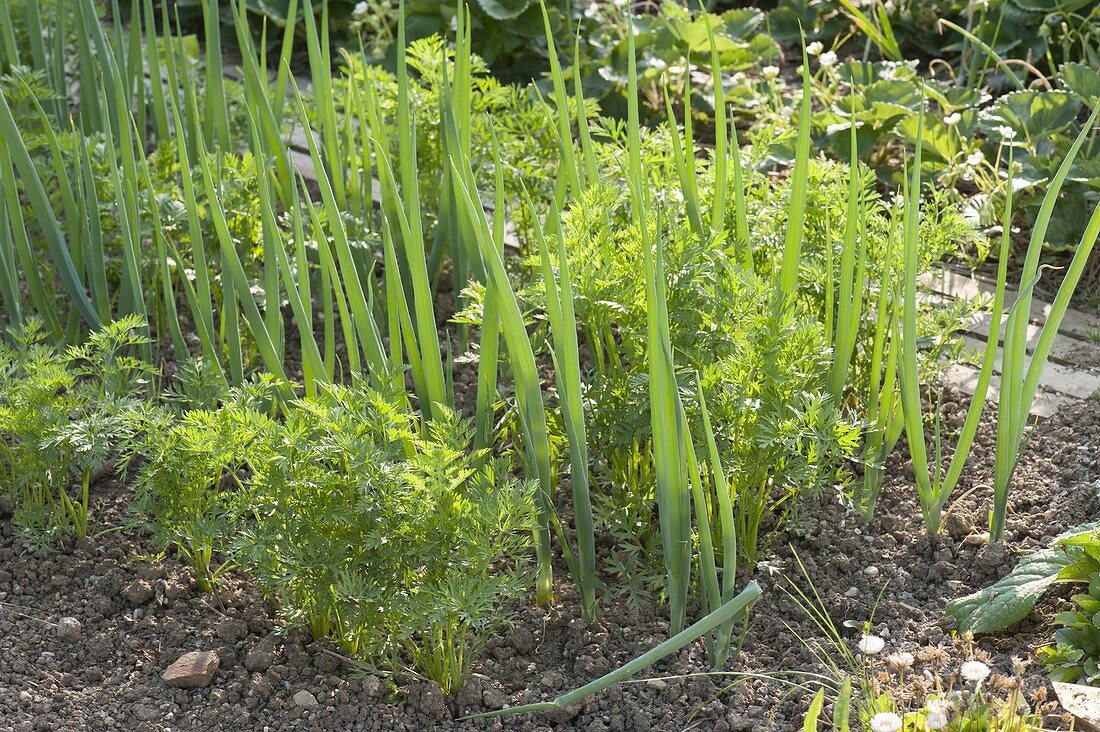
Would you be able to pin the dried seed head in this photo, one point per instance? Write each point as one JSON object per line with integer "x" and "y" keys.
{"x": 1019, "y": 665}
{"x": 900, "y": 661}
{"x": 932, "y": 655}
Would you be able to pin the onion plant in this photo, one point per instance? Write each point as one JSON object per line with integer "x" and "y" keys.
{"x": 794, "y": 235}
{"x": 934, "y": 485}
{"x": 404, "y": 218}
{"x": 46, "y": 218}
{"x": 666, "y": 412}
{"x": 1020, "y": 375}
{"x": 683, "y": 482}
{"x": 883, "y": 412}
{"x": 567, "y": 371}
{"x": 532, "y": 410}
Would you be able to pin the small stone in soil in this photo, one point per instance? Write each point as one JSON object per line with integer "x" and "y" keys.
{"x": 494, "y": 698}
{"x": 68, "y": 629}
{"x": 305, "y": 700}
{"x": 993, "y": 557}
{"x": 192, "y": 670}
{"x": 977, "y": 539}
{"x": 871, "y": 571}
{"x": 138, "y": 592}
{"x": 232, "y": 630}
{"x": 327, "y": 662}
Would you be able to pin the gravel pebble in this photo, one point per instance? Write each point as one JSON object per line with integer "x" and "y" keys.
{"x": 305, "y": 700}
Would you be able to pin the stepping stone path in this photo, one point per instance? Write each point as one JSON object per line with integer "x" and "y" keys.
{"x": 1072, "y": 373}
{"x": 1083, "y": 702}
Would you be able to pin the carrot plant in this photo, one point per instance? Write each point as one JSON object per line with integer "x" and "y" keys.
{"x": 192, "y": 470}
{"x": 62, "y": 411}
{"x": 405, "y": 528}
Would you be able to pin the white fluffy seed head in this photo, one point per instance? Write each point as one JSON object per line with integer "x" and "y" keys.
{"x": 885, "y": 722}
{"x": 900, "y": 661}
{"x": 935, "y": 719}
{"x": 975, "y": 671}
{"x": 870, "y": 645}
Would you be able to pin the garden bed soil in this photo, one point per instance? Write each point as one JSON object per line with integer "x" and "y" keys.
{"x": 139, "y": 614}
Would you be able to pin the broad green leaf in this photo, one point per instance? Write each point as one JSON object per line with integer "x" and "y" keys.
{"x": 1033, "y": 114}
{"x": 733, "y": 52}
{"x": 503, "y": 9}
{"x": 952, "y": 98}
{"x": 882, "y": 103}
{"x": 1065, "y": 229}
{"x": 1011, "y": 598}
{"x": 858, "y": 73}
{"x": 939, "y": 141}
{"x": 894, "y": 92}
{"x": 1082, "y": 80}
{"x": 740, "y": 23}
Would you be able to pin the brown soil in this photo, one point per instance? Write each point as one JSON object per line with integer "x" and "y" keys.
{"x": 139, "y": 615}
